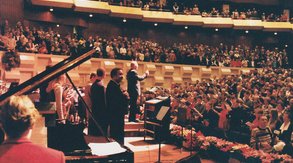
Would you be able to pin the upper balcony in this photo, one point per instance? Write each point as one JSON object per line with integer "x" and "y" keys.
{"x": 98, "y": 7}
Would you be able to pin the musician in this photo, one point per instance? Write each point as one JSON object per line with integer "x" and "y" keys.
{"x": 99, "y": 110}
{"x": 117, "y": 104}
{"x": 133, "y": 89}
{"x": 18, "y": 116}
{"x": 56, "y": 93}
{"x": 87, "y": 92}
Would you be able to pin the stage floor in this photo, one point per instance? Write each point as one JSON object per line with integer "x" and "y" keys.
{"x": 144, "y": 151}
{"x": 147, "y": 151}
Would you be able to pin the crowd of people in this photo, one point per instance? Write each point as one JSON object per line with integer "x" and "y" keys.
{"x": 194, "y": 9}
{"x": 33, "y": 40}
{"x": 258, "y": 105}
{"x": 235, "y": 14}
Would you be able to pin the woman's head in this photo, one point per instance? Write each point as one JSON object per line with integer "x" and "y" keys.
{"x": 287, "y": 116}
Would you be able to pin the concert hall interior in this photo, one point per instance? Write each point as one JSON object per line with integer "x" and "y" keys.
{"x": 146, "y": 81}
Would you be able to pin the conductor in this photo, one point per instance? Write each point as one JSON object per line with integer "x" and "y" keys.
{"x": 133, "y": 88}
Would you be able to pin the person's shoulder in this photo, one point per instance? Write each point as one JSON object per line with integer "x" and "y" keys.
{"x": 25, "y": 151}
{"x": 49, "y": 153}
{"x": 45, "y": 149}
{"x": 110, "y": 84}
{"x": 132, "y": 72}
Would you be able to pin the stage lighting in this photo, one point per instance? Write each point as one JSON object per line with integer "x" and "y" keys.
{"x": 216, "y": 29}
{"x": 51, "y": 9}
{"x": 90, "y": 15}
{"x": 156, "y": 24}
{"x": 186, "y": 27}
{"x": 124, "y": 20}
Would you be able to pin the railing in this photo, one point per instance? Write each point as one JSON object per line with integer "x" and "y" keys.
{"x": 165, "y": 17}
{"x": 160, "y": 74}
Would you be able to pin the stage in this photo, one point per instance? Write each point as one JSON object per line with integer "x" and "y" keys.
{"x": 144, "y": 151}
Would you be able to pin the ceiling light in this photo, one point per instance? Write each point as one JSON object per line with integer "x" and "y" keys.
{"x": 186, "y": 27}
{"x": 57, "y": 25}
{"x": 246, "y": 31}
{"x": 90, "y": 15}
{"x": 124, "y": 20}
{"x": 156, "y": 24}
{"x": 51, "y": 9}
{"x": 216, "y": 29}
{"x": 275, "y": 33}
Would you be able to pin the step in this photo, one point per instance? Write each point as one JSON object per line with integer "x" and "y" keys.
{"x": 134, "y": 132}
{"x": 134, "y": 125}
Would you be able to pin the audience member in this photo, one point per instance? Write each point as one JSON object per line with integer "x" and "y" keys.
{"x": 18, "y": 116}
{"x": 262, "y": 137}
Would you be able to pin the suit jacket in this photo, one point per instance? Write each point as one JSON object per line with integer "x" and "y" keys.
{"x": 117, "y": 103}
{"x": 98, "y": 100}
{"x": 133, "y": 86}
{"x": 24, "y": 151}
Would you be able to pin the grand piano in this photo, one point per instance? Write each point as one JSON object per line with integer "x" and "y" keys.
{"x": 70, "y": 138}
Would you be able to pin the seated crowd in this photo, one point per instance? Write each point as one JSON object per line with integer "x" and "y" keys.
{"x": 33, "y": 40}
{"x": 254, "y": 108}
{"x": 178, "y": 7}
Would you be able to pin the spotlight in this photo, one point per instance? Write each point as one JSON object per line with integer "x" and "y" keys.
{"x": 156, "y": 24}
{"x": 124, "y": 20}
{"x": 246, "y": 31}
{"x": 90, "y": 15}
{"x": 186, "y": 27}
{"x": 216, "y": 29}
{"x": 57, "y": 25}
{"x": 286, "y": 46}
{"x": 275, "y": 33}
{"x": 51, "y": 9}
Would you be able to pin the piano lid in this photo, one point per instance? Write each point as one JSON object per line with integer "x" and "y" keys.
{"x": 47, "y": 75}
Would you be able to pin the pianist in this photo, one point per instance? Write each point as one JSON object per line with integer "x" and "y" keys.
{"x": 18, "y": 116}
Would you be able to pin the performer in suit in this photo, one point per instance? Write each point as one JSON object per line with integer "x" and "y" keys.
{"x": 87, "y": 91}
{"x": 18, "y": 116}
{"x": 117, "y": 104}
{"x": 134, "y": 89}
{"x": 99, "y": 110}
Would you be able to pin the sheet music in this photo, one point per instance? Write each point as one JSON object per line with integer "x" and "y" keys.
{"x": 104, "y": 149}
{"x": 162, "y": 112}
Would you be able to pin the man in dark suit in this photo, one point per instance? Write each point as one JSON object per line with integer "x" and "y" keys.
{"x": 117, "y": 104}
{"x": 99, "y": 110}
{"x": 134, "y": 90}
{"x": 18, "y": 116}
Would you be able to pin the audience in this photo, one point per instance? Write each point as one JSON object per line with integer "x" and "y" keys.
{"x": 187, "y": 8}
{"x": 237, "y": 103}
{"x": 18, "y": 116}
{"x": 35, "y": 40}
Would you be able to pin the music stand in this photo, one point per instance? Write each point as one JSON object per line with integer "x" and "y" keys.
{"x": 160, "y": 116}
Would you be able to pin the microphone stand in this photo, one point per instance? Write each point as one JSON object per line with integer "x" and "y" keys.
{"x": 190, "y": 124}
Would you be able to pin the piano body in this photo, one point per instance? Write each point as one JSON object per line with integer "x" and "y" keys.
{"x": 67, "y": 138}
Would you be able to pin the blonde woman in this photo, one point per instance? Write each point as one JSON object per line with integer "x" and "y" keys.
{"x": 56, "y": 93}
